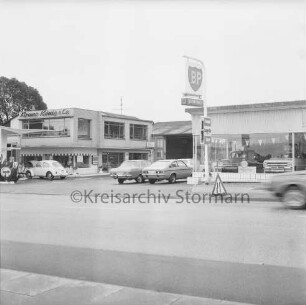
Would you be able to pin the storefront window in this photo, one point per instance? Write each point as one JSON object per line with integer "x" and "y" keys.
{"x": 266, "y": 152}
{"x": 138, "y": 156}
{"x": 83, "y": 128}
{"x": 50, "y": 127}
{"x": 111, "y": 159}
{"x": 83, "y": 161}
{"x": 138, "y": 132}
{"x": 113, "y": 130}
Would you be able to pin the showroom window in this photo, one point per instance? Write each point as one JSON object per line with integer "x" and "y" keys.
{"x": 268, "y": 153}
{"x": 113, "y": 130}
{"x": 138, "y": 132}
{"x": 83, "y": 129}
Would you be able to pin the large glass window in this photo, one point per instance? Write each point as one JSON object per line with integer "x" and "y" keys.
{"x": 269, "y": 153}
{"x": 48, "y": 127}
{"x": 138, "y": 132}
{"x": 113, "y": 130}
{"x": 83, "y": 128}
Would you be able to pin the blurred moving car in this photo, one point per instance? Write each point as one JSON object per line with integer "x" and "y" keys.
{"x": 170, "y": 170}
{"x": 45, "y": 169}
{"x": 130, "y": 170}
{"x": 290, "y": 187}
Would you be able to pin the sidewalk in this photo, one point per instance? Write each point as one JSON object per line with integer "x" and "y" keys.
{"x": 35, "y": 289}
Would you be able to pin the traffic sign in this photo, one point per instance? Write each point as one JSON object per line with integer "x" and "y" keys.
{"x": 219, "y": 188}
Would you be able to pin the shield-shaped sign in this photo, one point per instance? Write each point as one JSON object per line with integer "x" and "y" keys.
{"x": 195, "y": 76}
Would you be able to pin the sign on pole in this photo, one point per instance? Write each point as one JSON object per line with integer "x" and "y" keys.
{"x": 194, "y": 78}
{"x": 187, "y": 101}
{"x": 205, "y": 130}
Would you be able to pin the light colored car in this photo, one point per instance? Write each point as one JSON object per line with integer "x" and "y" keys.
{"x": 45, "y": 169}
{"x": 130, "y": 170}
{"x": 290, "y": 187}
{"x": 282, "y": 165}
{"x": 170, "y": 170}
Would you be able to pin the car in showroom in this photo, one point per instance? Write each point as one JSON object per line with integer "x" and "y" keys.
{"x": 232, "y": 164}
{"x": 130, "y": 170}
{"x": 282, "y": 165}
{"x": 170, "y": 170}
{"x": 49, "y": 169}
{"x": 290, "y": 188}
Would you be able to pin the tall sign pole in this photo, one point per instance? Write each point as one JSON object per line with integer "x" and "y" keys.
{"x": 195, "y": 96}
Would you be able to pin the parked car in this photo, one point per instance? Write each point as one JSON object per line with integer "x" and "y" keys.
{"x": 170, "y": 170}
{"x": 130, "y": 170}
{"x": 290, "y": 187}
{"x": 45, "y": 169}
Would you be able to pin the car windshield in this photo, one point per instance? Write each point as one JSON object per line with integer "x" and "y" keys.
{"x": 161, "y": 164}
{"x": 56, "y": 164}
{"x": 130, "y": 163}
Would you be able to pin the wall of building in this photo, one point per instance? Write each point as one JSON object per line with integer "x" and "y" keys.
{"x": 126, "y": 143}
{"x": 253, "y": 121}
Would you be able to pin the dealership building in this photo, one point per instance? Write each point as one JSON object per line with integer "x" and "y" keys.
{"x": 275, "y": 132}
{"x": 83, "y": 139}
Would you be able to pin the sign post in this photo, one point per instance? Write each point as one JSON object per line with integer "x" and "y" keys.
{"x": 194, "y": 96}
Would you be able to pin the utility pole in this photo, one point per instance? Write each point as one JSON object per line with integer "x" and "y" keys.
{"x": 121, "y": 105}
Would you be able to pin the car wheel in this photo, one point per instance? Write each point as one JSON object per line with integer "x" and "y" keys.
{"x": 50, "y": 176}
{"x": 120, "y": 181}
{"x": 152, "y": 181}
{"x": 139, "y": 179}
{"x": 28, "y": 175}
{"x": 294, "y": 198}
{"x": 172, "y": 178}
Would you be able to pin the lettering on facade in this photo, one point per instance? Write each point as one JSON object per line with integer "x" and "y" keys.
{"x": 45, "y": 113}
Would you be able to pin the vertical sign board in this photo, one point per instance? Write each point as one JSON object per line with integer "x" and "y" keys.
{"x": 205, "y": 130}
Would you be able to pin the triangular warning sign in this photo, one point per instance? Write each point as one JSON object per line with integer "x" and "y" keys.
{"x": 219, "y": 188}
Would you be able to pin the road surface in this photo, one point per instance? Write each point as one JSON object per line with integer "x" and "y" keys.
{"x": 251, "y": 252}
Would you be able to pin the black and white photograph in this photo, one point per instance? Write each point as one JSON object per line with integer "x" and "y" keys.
{"x": 153, "y": 152}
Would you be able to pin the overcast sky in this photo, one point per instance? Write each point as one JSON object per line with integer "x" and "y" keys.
{"x": 89, "y": 54}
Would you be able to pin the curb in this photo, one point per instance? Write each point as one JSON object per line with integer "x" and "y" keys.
{"x": 21, "y": 286}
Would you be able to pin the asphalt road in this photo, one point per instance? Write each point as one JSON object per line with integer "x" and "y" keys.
{"x": 239, "y": 252}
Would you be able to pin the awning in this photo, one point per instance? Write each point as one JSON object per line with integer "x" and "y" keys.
{"x": 59, "y": 151}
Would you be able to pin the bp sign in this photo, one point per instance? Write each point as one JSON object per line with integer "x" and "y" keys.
{"x": 194, "y": 79}
{"x": 195, "y": 76}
